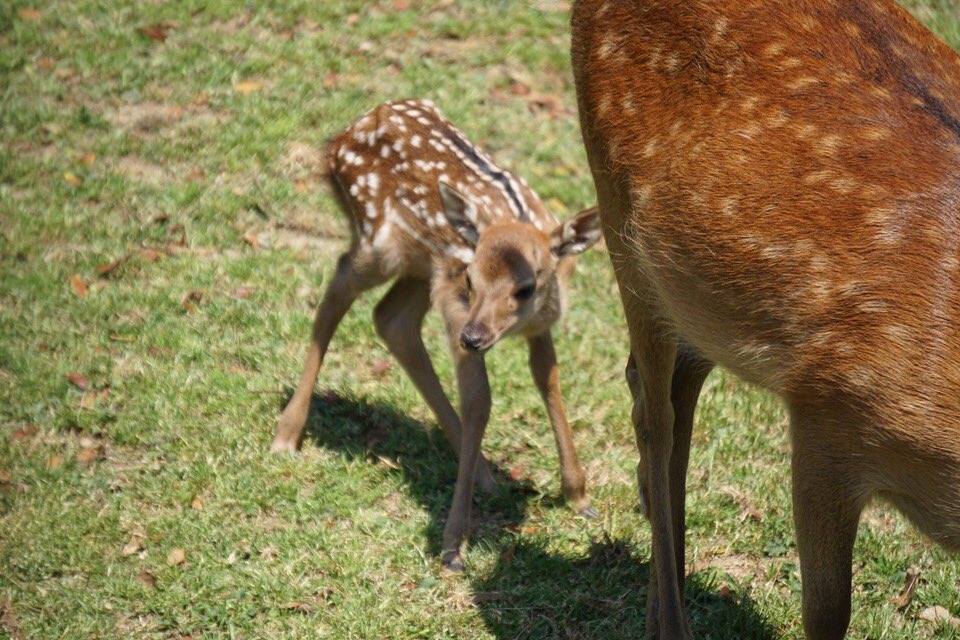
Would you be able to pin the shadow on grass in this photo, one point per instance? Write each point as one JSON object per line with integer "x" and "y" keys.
{"x": 362, "y": 429}
{"x": 532, "y": 592}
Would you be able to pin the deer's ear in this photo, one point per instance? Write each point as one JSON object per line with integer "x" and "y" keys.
{"x": 460, "y": 213}
{"x": 577, "y": 234}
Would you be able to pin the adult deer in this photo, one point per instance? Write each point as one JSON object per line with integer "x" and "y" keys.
{"x": 779, "y": 183}
{"x": 431, "y": 210}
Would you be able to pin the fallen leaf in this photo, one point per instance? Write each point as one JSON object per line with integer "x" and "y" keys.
{"x": 353, "y": 19}
{"x": 516, "y": 473}
{"x": 156, "y": 32}
{"x": 519, "y": 88}
{"x": 22, "y": 434}
{"x": 72, "y": 179}
{"x": 297, "y": 606}
{"x": 247, "y": 87}
{"x": 301, "y": 187}
{"x": 79, "y": 380}
{"x": 329, "y": 81}
{"x": 910, "y": 583}
{"x": 189, "y": 298}
{"x": 146, "y": 578}
{"x": 46, "y": 62}
{"x": 401, "y": 5}
{"x": 507, "y": 556}
{"x": 939, "y": 615}
{"x": 4, "y": 476}
{"x": 105, "y": 269}
{"x": 54, "y": 461}
{"x": 88, "y": 158}
{"x": 88, "y": 455}
{"x": 381, "y": 367}
{"x": 133, "y": 547}
{"x": 29, "y": 14}
{"x": 176, "y": 557}
{"x": 388, "y": 462}
{"x": 78, "y": 285}
{"x": 197, "y": 504}
{"x": 151, "y": 255}
{"x": 488, "y": 596}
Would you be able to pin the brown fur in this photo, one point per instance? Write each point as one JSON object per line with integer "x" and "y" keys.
{"x": 779, "y": 183}
{"x": 429, "y": 209}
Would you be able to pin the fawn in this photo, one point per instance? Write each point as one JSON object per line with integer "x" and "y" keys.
{"x": 779, "y": 184}
{"x": 431, "y": 210}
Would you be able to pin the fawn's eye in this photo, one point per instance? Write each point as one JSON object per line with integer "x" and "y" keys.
{"x": 524, "y": 293}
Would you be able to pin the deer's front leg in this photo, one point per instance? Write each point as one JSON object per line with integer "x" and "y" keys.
{"x": 546, "y": 375}
{"x": 475, "y": 412}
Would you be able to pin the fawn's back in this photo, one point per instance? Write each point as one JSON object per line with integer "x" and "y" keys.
{"x": 386, "y": 167}
{"x": 794, "y": 182}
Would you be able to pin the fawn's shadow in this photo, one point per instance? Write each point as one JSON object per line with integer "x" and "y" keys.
{"x": 532, "y": 592}
{"x": 360, "y": 428}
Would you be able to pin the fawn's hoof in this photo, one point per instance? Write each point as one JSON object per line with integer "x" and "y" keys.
{"x": 280, "y": 445}
{"x": 589, "y": 513}
{"x": 453, "y": 561}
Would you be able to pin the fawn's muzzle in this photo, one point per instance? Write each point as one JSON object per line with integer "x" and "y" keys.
{"x": 475, "y": 337}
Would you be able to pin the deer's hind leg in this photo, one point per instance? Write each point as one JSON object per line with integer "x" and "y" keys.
{"x": 399, "y": 320}
{"x": 357, "y": 271}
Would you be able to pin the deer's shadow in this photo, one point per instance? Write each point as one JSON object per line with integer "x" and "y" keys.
{"x": 532, "y": 592}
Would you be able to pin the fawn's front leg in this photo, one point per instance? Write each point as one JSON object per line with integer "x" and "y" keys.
{"x": 546, "y": 375}
{"x": 474, "y": 414}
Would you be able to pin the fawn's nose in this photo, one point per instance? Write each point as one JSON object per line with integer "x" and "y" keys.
{"x": 474, "y": 336}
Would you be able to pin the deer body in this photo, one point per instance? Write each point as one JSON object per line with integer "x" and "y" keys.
{"x": 779, "y": 183}
{"x": 432, "y": 211}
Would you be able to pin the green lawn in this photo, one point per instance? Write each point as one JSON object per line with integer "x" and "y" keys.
{"x": 164, "y": 238}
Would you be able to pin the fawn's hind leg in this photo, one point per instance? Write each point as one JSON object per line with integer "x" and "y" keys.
{"x": 356, "y": 273}
{"x": 399, "y": 319}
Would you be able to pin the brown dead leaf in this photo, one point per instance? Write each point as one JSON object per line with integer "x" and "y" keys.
{"x": 31, "y": 14}
{"x": 72, "y": 179}
{"x": 88, "y": 158}
{"x": 78, "y": 285}
{"x": 516, "y": 473}
{"x": 389, "y": 463}
{"x": 507, "y": 556}
{"x": 519, "y": 88}
{"x": 105, "y": 269}
{"x": 146, "y": 579}
{"x": 301, "y": 187}
{"x": 197, "y": 503}
{"x": 353, "y": 19}
{"x": 54, "y": 461}
{"x": 151, "y": 255}
{"x": 381, "y": 367}
{"x": 297, "y": 606}
{"x": 176, "y": 557}
{"x": 23, "y": 434}
{"x": 939, "y": 616}
{"x": 247, "y": 87}
{"x": 79, "y": 380}
{"x": 910, "y": 583}
{"x": 156, "y": 32}
{"x": 89, "y": 455}
{"x": 133, "y": 546}
{"x": 191, "y": 299}
{"x": 401, "y": 5}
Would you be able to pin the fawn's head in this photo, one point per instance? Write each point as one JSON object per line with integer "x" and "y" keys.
{"x": 516, "y": 279}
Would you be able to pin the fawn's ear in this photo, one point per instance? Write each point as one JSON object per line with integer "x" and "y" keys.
{"x": 460, "y": 213}
{"x": 577, "y": 234}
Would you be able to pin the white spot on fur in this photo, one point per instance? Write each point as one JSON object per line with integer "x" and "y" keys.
{"x": 415, "y": 141}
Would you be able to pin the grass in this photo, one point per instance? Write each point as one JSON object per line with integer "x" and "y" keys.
{"x": 191, "y": 163}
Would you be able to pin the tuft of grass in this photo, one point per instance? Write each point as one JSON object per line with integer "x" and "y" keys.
{"x": 118, "y": 148}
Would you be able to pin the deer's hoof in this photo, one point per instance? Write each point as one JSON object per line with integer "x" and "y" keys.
{"x": 453, "y": 561}
{"x": 589, "y": 513}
